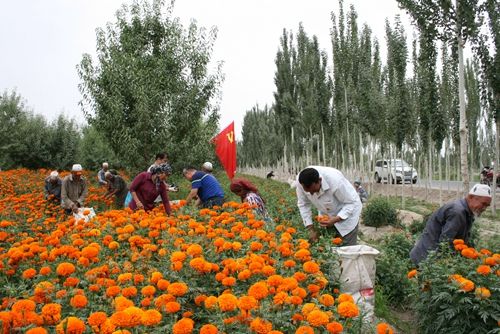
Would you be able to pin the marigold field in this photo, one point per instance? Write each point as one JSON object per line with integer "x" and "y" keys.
{"x": 196, "y": 271}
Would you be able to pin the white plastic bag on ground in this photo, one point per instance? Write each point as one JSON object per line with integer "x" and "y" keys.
{"x": 79, "y": 216}
{"x": 358, "y": 276}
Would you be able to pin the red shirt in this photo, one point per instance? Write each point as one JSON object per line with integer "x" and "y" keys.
{"x": 145, "y": 189}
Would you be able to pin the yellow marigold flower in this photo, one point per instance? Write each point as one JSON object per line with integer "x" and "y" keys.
{"x": 334, "y": 327}
{"x": 317, "y": 318}
{"x": 227, "y": 302}
{"x": 384, "y": 328}
{"x": 261, "y": 326}
{"x": 209, "y": 329}
{"x": 347, "y": 310}
{"x": 183, "y": 326}
{"x": 151, "y": 318}
{"x": 483, "y": 270}
{"x": 483, "y": 293}
{"x": 412, "y": 273}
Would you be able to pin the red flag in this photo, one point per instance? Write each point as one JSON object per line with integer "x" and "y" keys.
{"x": 225, "y": 148}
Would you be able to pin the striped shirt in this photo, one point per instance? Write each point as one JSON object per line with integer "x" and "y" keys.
{"x": 207, "y": 185}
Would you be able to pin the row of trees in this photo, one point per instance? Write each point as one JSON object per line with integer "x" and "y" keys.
{"x": 29, "y": 140}
{"x": 362, "y": 108}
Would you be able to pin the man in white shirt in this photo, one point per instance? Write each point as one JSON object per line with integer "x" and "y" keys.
{"x": 334, "y": 196}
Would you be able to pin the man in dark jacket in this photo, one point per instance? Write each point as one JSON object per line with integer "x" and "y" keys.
{"x": 452, "y": 221}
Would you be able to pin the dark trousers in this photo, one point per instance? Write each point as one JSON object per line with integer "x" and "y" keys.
{"x": 350, "y": 239}
{"x": 212, "y": 201}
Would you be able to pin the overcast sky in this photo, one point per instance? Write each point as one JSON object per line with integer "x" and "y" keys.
{"x": 43, "y": 41}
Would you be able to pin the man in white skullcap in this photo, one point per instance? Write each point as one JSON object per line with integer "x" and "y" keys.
{"x": 74, "y": 190}
{"x": 207, "y": 167}
{"x": 52, "y": 187}
{"x": 452, "y": 221}
{"x": 101, "y": 177}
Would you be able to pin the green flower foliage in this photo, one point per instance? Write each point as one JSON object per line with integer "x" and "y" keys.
{"x": 469, "y": 303}
{"x": 379, "y": 212}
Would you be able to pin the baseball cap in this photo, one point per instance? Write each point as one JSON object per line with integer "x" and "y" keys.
{"x": 480, "y": 190}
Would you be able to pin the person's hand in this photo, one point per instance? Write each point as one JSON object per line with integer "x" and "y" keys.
{"x": 330, "y": 221}
{"x": 313, "y": 234}
{"x": 74, "y": 208}
{"x": 139, "y": 205}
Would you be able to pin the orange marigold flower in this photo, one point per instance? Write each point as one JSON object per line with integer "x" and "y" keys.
{"x": 23, "y": 306}
{"x": 129, "y": 291}
{"x": 36, "y": 330}
{"x": 244, "y": 274}
{"x": 344, "y": 297}
{"x": 65, "y": 269}
{"x": 209, "y": 329}
{"x": 334, "y": 327}
{"x": 490, "y": 261}
{"x": 113, "y": 291}
{"x": 258, "y": 290}
{"x": 384, "y": 328}
{"x": 289, "y": 263}
{"x": 51, "y": 313}
{"x": 483, "y": 270}
{"x": 337, "y": 241}
{"x": 172, "y": 307}
{"x": 194, "y": 250}
{"x": 311, "y": 267}
{"x": 162, "y": 284}
{"x": 210, "y": 302}
{"x": 71, "y": 325}
{"x": 261, "y": 326}
{"x": 29, "y": 273}
{"x": 148, "y": 290}
{"x": 317, "y": 318}
{"x": 347, "y": 310}
{"x": 122, "y": 303}
{"x": 247, "y": 303}
{"x": 280, "y": 298}
{"x": 79, "y": 301}
{"x": 227, "y": 302}
{"x": 466, "y": 285}
{"x": 96, "y": 319}
{"x": 151, "y": 318}
{"x": 458, "y": 242}
{"x": 469, "y": 253}
{"x": 183, "y": 326}
{"x": 198, "y": 300}
{"x": 326, "y": 299}
{"x": 45, "y": 271}
{"x": 304, "y": 330}
{"x": 178, "y": 256}
{"x": 460, "y": 247}
{"x": 229, "y": 281}
{"x": 412, "y": 273}
{"x": 90, "y": 252}
{"x": 483, "y": 293}
{"x": 177, "y": 289}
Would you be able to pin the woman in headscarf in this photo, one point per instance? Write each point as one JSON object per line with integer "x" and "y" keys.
{"x": 249, "y": 194}
{"x": 146, "y": 187}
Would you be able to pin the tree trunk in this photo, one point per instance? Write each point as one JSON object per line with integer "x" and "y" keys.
{"x": 463, "y": 118}
{"x": 440, "y": 180}
{"x": 497, "y": 168}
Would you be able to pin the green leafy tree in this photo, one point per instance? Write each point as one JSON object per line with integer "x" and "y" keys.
{"x": 150, "y": 89}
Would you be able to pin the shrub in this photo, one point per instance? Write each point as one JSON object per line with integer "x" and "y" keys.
{"x": 392, "y": 265}
{"x": 379, "y": 212}
{"x": 417, "y": 227}
{"x": 457, "y": 293}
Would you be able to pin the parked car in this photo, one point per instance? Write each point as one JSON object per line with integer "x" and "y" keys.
{"x": 394, "y": 171}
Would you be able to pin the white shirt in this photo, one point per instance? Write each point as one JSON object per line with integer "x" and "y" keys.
{"x": 336, "y": 197}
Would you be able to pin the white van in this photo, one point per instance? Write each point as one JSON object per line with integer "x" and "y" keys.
{"x": 394, "y": 171}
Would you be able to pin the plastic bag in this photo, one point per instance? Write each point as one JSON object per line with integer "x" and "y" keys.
{"x": 127, "y": 199}
{"x": 81, "y": 216}
{"x": 358, "y": 276}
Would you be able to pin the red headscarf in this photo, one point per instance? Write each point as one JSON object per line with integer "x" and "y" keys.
{"x": 243, "y": 187}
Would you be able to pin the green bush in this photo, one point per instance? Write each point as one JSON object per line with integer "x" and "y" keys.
{"x": 417, "y": 227}
{"x": 393, "y": 265}
{"x": 456, "y": 294}
{"x": 380, "y": 212}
